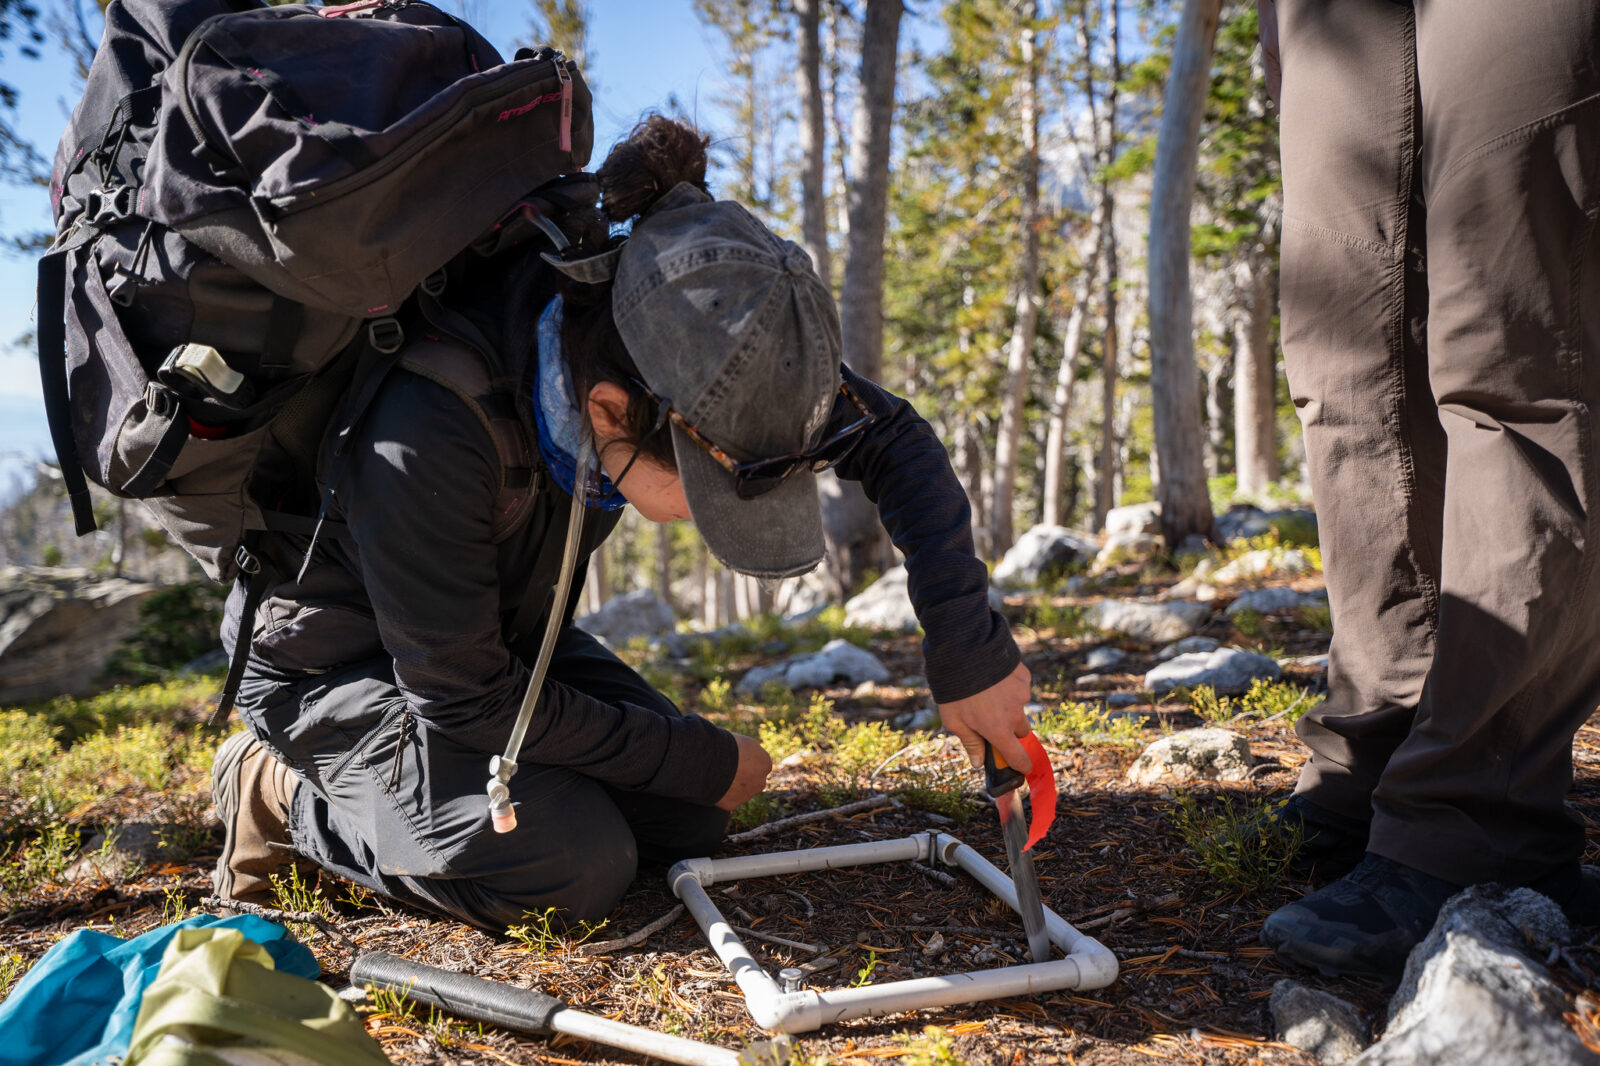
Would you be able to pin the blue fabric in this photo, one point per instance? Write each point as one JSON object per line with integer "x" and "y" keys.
{"x": 77, "y": 1005}
{"x": 555, "y": 410}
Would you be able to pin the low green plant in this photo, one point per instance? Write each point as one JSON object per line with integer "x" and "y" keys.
{"x": 1229, "y": 843}
{"x": 1265, "y": 699}
{"x": 1318, "y": 617}
{"x": 174, "y": 903}
{"x": 28, "y": 865}
{"x": 1250, "y": 622}
{"x": 295, "y": 893}
{"x": 868, "y": 967}
{"x": 657, "y": 986}
{"x": 1087, "y": 724}
{"x": 717, "y": 696}
{"x": 935, "y": 1047}
{"x": 1066, "y": 621}
{"x": 759, "y": 809}
{"x": 544, "y": 933}
{"x": 12, "y": 966}
{"x": 392, "y": 1003}
{"x": 938, "y": 792}
{"x": 176, "y": 625}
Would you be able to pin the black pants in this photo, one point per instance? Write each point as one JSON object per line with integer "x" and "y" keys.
{"x": 1441, "y": 328}
{"x": 394, "y": 804}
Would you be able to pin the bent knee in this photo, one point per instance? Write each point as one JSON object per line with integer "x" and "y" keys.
{"x": 586, "y": 888}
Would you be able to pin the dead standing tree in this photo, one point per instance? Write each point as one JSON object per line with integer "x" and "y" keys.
{"x": 1174, "y": 381}
{"x": 851, "y": 522}
{"x": 1019, "y": 356}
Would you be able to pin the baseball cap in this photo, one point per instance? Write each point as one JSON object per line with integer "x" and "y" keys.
{"x": 730, "y": 324}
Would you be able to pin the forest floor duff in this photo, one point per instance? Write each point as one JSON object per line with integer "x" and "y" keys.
{"x": 1118, "y": 863}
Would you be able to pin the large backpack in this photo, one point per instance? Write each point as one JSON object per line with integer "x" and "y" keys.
{"x": 244, "y": 199}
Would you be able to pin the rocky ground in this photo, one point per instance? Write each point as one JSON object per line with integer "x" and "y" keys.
{"x": 1120, "y": 861}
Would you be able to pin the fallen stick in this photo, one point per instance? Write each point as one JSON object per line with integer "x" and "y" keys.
{"x": 868, "y": 804}
{"x": 604, "y": 946}
{"x": 272, "y": 914}
{"x": 780, "y": 941}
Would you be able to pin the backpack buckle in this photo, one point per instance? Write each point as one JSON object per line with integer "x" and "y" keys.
{"x": 160, "y": 400}
{"x": 105, "y": 206}
{"x": 123, "y": 286}
{"x": 247, "y": 561}
{"x": 386, "y": 335}
{"x": 434, "y": 283}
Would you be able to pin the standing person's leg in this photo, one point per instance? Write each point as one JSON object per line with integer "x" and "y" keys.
{"x": 1511, "y": 118}
{"x": 1354, "y": 304}
{"x": 1511, "y": 124}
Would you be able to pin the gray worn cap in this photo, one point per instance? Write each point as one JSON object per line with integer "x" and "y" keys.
{"x": 730, "y": 324}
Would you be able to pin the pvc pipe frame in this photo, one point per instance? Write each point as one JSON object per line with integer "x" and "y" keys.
{"x": 1088, "y": 963}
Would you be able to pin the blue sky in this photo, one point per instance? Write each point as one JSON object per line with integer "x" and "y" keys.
{"x": 646, "y": 51}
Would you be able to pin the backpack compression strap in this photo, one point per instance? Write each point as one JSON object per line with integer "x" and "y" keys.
{"x": 52, "y": 296}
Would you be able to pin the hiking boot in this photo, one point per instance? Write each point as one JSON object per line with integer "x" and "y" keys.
{"x": 252, "y": 791}
{"x": 1366, "y": 922}
{"x": 1331, "y": 844}
{"x": 1577, "y": 896}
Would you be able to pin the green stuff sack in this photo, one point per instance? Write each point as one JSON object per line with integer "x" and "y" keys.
{"x": 218, "y": 1001}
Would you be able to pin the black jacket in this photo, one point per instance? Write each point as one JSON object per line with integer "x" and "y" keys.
{"x": 419, "y": 580}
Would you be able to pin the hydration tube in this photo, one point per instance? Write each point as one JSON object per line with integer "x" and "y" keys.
{"x": 501, "y": 768}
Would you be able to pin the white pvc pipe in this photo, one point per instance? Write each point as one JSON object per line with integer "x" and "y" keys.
{"x": 1088, "y": 964}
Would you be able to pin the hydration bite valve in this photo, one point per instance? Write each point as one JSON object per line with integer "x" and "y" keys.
{"x": 502, "y": 815}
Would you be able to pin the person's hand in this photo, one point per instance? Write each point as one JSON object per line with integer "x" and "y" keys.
{"x": 996, "y": 714}
{"x": 751, "y": 776}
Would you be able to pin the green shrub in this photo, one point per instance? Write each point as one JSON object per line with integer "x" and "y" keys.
{"x": 176, "y": 626}
{"x": 1228, "y": 844}
{"x": 1086, "y": 724}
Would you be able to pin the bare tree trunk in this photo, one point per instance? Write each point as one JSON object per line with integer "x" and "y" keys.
{"x": 1055, "y": 457}
{"x": 1216, "y": 415}
{"x": 1174, "y": 382}
{"x": 664, "y": 563}
{"x": 1014, "y": 392}
{"x": 1105, "y": 483}
{"x": 854, "y": 532}
{"x": 597, "y": 590}
{"x": 813, "y": 140}
{"x": 832, "y": 100}
{"x": 1255, "y": 380}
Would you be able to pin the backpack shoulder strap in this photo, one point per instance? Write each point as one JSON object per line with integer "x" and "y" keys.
{"x": 465, "y": 371}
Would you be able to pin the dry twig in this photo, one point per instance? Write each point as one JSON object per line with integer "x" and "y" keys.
{"x": 272, "y": 914}
{"x": 868, "y": 804}
{"x": 605, "y": 946}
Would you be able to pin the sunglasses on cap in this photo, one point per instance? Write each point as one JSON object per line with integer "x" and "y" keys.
{"x": 757, "y": 477}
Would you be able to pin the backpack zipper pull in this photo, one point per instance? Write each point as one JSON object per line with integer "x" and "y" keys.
{"x": 400, "y": 748}
{"x": 565, "y": 77}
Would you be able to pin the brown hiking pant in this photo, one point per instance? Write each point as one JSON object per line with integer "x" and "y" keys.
{"x": 1441, "y": 328}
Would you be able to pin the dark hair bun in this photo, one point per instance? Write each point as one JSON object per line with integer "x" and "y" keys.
{"x": 658, "y": 154}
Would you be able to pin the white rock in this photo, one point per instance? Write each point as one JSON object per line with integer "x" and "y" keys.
{"x": 634, "y": 614}
{"x": 1122, "y": 548}
{"x": 1134, "y": 518}
{"x": 1265, "y": 562}
{"x": 1227, "y": 670}
{"x": 1193, "y": 755}
{"x": 1320, "y": 1023}
{"x": 838, "y": 662}
{"x": 884, "y": 604}
{"x": 1039, "y": 553}
{"x": 1473, "y": 994}
{"x": 1266, "y": 601}
{"x": 1154, "y": 622}
{"x": 1187, "y": 646}
{"x": 1101, "y": 659}
{"x": 1307, "y": 662}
